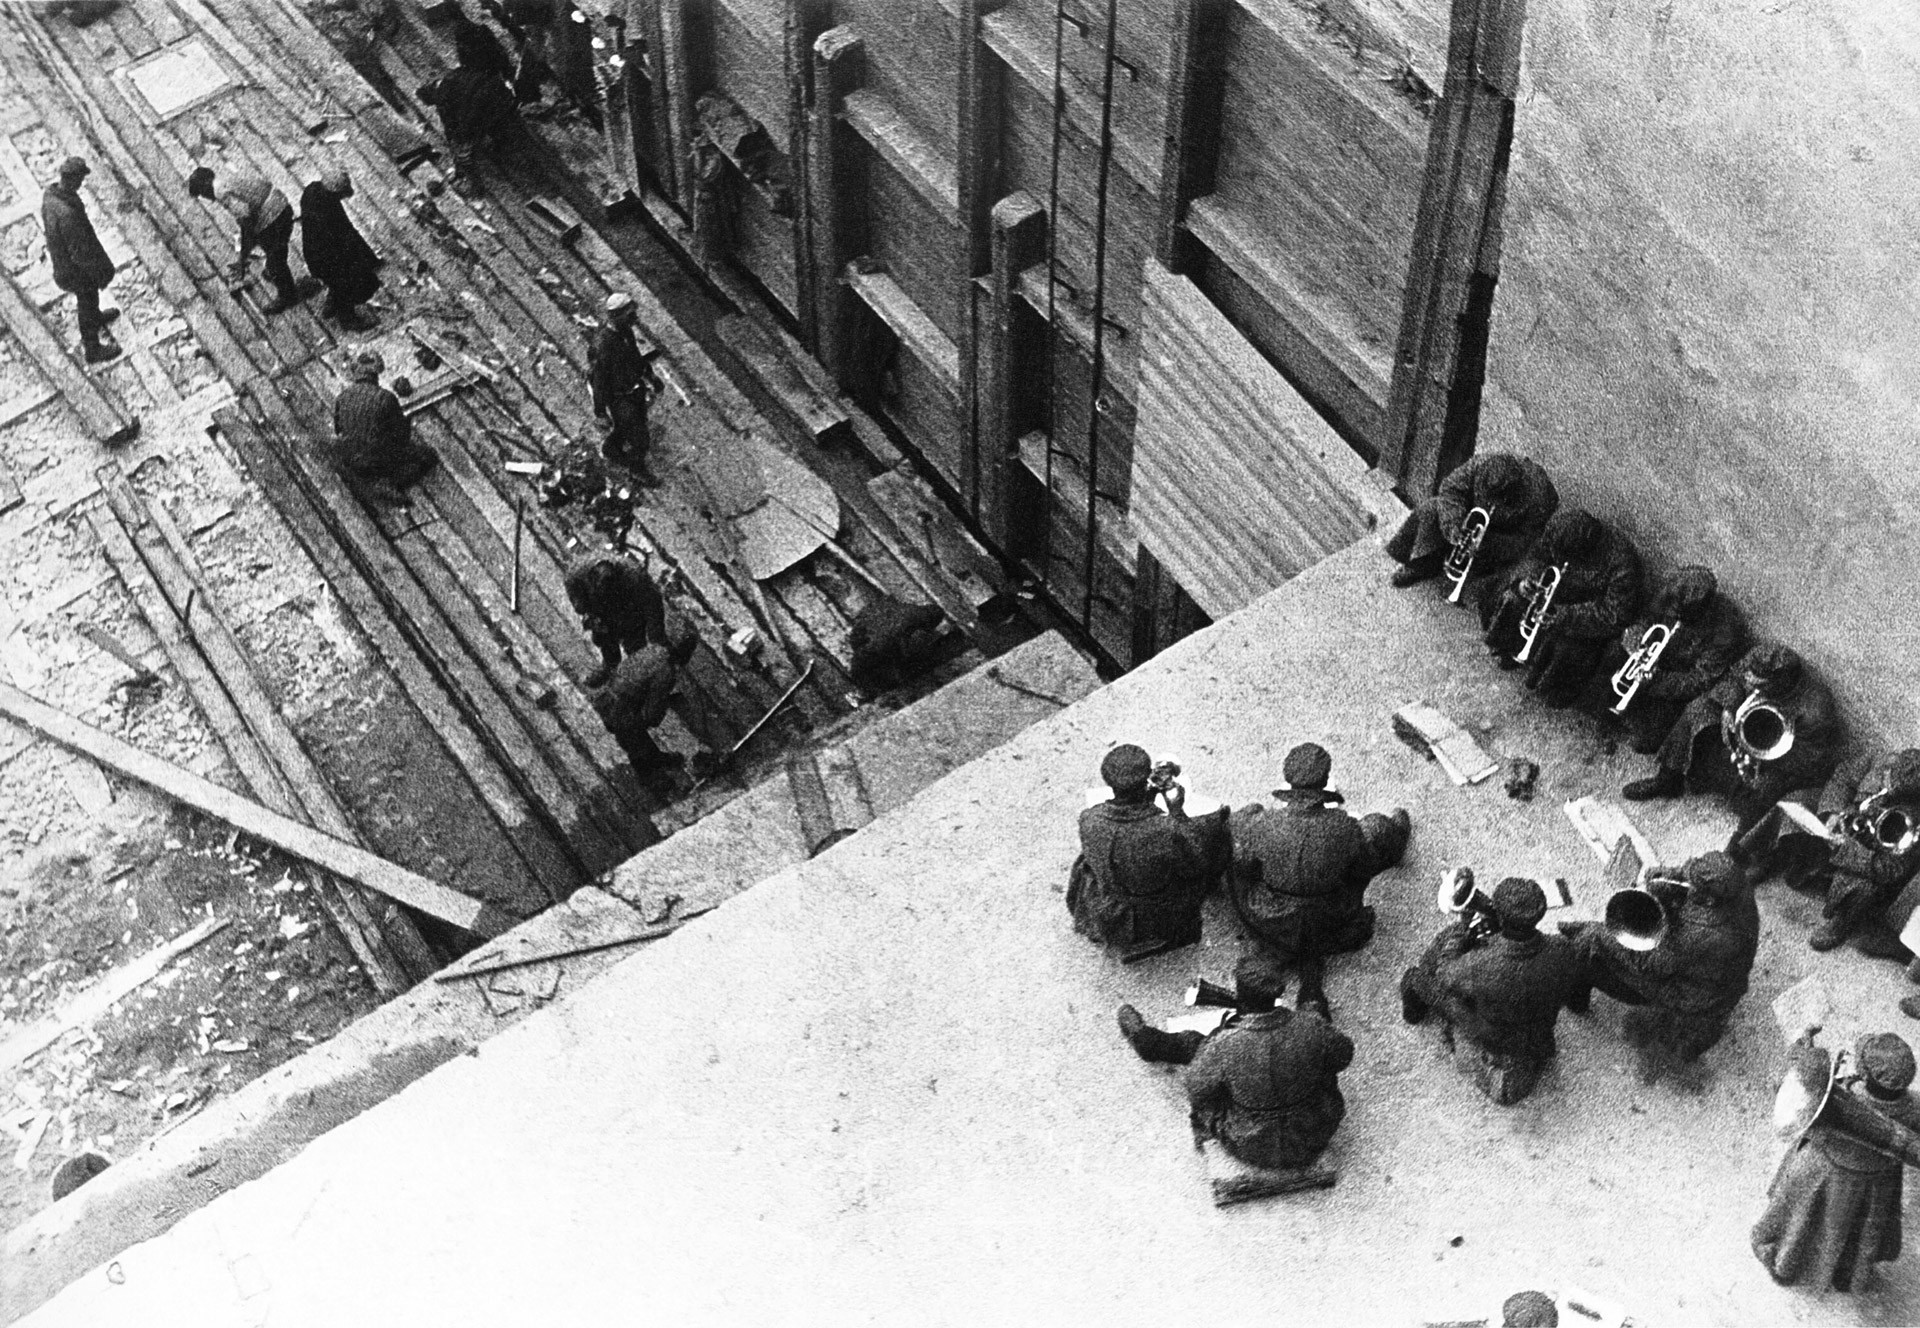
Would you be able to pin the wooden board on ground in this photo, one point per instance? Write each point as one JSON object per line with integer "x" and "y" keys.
{"x": 935, "y": 535}
{"x": 396, "y": 346}
{"x": 104, "y": 417}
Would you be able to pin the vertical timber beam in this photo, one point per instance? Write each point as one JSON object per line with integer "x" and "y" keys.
{"x": 668, "y": 167}
{"x": 676, "y": 94}
{"x": 833, "y": 175}
{"x": 1455, "y": 249}
{"x": 805, "y": 21}
{"x": 1191, "y": 143}
{"x": 978, "y": 169}
{"x": 1018, "y": 241}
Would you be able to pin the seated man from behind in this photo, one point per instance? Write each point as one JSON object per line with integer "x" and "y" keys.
{"x": 1142, "y": 873}
{"x": 1503, "y": 991}
{"x": 374, "y": 445}
{"x": 1517, "y": 496}
{"x": 1596, "y": 596}
{"x": 1708, "y": 636}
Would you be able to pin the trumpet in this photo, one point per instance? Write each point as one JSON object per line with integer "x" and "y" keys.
{"x": 1755, "y": 734}
{"x": 1458, "y": 894}
{"x": 1640, "y": 664}
{"x": 1460, "y": 557}
{"x": 1881, "y": 828}
{"x": 1636, "y": 918}
{"x": 1534, "y": 616}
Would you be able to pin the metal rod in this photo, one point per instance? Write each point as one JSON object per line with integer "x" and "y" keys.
{"x": 1099, "y": 311}
{"x": 519, "y": 519}
{"x": 1053, "y": 329}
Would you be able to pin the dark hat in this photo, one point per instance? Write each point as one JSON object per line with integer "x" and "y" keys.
{"x": 1715, "y": 875}
{"x": 1498, "y": 474}
{"x": 1777, "y": 667}
{"x": 200, "y": 183}
{"x": 1529, "y": 1309}
{"x": 1520, "y": 901}
{"x": 1307, "y": 766}
{"x": 1903, "y": 777}
{"x": 1688, "y": 590}
{"x": 1126, "y": 767}
{"x": 1570, "y": 532}
{"x": 74, "y": 167}
{"x": 1886, "y": 1060}
{"x": 1259, "y": 981}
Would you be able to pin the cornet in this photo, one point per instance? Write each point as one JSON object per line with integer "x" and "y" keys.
{"x": 1458, "y": 894}
{"x": 1640, "y": 664}
{"x": 1881, "y": 828}
{"x": 1460, "y": 558}
{"x": 1534, "y": 616}
{"x": 1755, "y": 733}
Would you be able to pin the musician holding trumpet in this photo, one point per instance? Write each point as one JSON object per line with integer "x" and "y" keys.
{"x": 1681, "y": 645}
{"x": 1557, "y": 608}
{"x": 1679, "y": 947}
{"x": 1505, "y": 499}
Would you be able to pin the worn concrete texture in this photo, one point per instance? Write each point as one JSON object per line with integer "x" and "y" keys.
{"x": 886, "y": 1085}
{"x": 1705, "y": 319}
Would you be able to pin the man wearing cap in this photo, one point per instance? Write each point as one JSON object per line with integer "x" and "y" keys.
{"x": 1504, "y": 992}
{"x": 374, "y": 445}
{"x": 266, "y": 223}
{"x": 473, "y": 100}
{"x": 1265, "y": 1083}
{"x": 1594, "y": 599}
{"x": 80, "y": 263}
{"x": 623, "y": 385}
{"x": 336, "y": 252}
{"x": 620, "y": 607}
{"x": 1301, "y": 870}
{"x": 1685, "y": 988}
{"x": 1518, "y": 497}
{"x": 1697, "y": 752}
{"x": 1834, "y": 1207}
{"x": 633, "y": 700}
{"x": 1709, "y": 634}
{"x": 1142, "y": 873}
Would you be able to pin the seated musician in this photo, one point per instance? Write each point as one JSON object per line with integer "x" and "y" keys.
{"x": 1517, "y": 496}
{"x": 1142, "y": 873}
{"x": 1766, "y": 729}
{"x": 1708, "y": 633}
{"x": 1594, "y": 599}
{"x": 1685, "y": 986}
{"x": 1871, "y": 810}
{"x": 1504, "y": 990}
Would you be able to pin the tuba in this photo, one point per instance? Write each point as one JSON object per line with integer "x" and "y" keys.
{"x": 1539, "y": 599}
{"x": 1756, "y": 733}
{"x": 1458, "y": 894}
{"x": 1640, "y": 664}
{"x": 1635, "y": 917}
{"x": 1460, "y": 557}
{"x": 1882, "y": 828}
{"x": 1811, "y": 1094}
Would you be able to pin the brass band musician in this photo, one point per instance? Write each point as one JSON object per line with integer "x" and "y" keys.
{"x": 1516, "y": 494}
{"x": 1764, "y": 730}
{"x": 1595, "y": 596}
{"x": 1686, "y": 985}
{"x": 1708, "y": 633}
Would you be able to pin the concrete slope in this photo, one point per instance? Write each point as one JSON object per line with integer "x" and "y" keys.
{"x": 751, "y": 838}
{"x": 885, "y": 1086}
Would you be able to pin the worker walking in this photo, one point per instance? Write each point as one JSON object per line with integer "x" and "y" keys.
{"x": 266, "y": 223}
{"x": 623, "y": 386}
{"x": 80, "y": 263}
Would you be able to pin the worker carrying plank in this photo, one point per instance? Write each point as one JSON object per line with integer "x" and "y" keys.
{"x": 624, "y": 386}
{"x": 374, "y": 445}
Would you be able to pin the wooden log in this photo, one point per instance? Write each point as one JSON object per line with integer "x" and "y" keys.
{"x": 283, "y": 833}
{"x": 838, "y": 59}
{"x": 1190, "y": 146}
{"x": 1007, "y": 405}
{"x": 104, "y": 417}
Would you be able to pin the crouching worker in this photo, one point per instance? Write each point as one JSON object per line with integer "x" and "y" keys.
{"x": 892, "y": 641}
{"x": 634, "y": 700}
{"x": 1142, "y": 873}
{"x": 1266, "y": 1083}
{"x": 374, "y": 445}
{"x": 620, "y": 607}
{"x": 1503, "y": 990}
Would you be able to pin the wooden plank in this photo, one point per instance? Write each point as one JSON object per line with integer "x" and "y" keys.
{"x": 1191, "y": 144}
{"x": 105, "y": 418}
{"x": 931, "y": 172}
{"x": 1010, "y": 399}
{"x": 939, "y": 538}
{"x": 283, "y": 833}
{"x": 917, "y": 332}
{"x": 838, "y": 231}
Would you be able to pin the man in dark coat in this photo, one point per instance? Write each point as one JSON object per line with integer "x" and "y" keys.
{"x": 473, "y": 99}
{"x": 80, "y": 263}
{"x": 374, "y": 438}
{"x": 634, "y": 700}
{"x": 266, "y": 223}
{"x": 623, "y": 386}
{"x": 619, "y": 605}
{"x": 1504, "y": 992}
{"x": 891, "y": 640}
{"x": 1266, "y": 1083}
{"x": 1597, "y": 595}
{"x": 476, "y": 47}
{"x": 1142, "y": 873}
{"x": 1301, "y": 870}
{"x": 335, "y": 251}
{"x": 1518, "y": 496}
{"x": 1833, "y": 1209}
{"x": 1698, "y": 753}
{"x": 1686, "y": 987}
{"x": 1709, "y": 636}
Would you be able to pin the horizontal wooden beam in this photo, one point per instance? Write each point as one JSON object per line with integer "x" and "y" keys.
{"x": 931, "y": 172}
{"x": 287, "y": 835}
{"x": 910, "y": 323}
{"x": 105, "y": 420}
